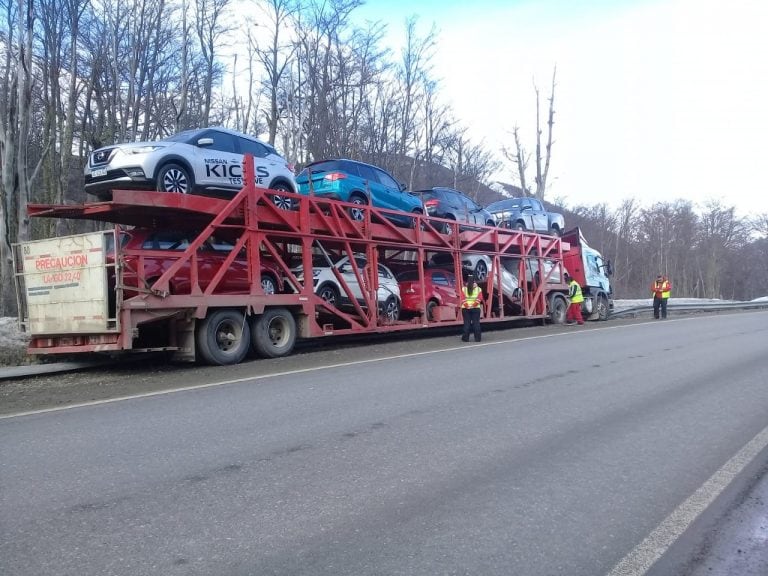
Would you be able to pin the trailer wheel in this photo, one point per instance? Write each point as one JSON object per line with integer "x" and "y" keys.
{"x": 602, "y": 307}
{"x": 223, "y": 337}
{"x": 273, "y": 333}
{"x": 558, "y": 309}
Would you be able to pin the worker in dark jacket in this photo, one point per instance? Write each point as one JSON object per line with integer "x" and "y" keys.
{"x": 576, "y": 297}
{"x": 661, "y": 289}
{"x": 470, "y": 309}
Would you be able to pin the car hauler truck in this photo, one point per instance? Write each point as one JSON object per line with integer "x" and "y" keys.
{"x": 74, "y": 297}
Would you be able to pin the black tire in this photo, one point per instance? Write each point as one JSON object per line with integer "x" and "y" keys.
{"x": 174, "y": 178}
{"x": 282, "y": 202}
{"x": 481, "y": 271}
{"x": 431, "y": 305}
{"x": 223, "y": 337}
{"x": 603, "y": 311}
{"x": 329, "y": 293}
{"x": 519, "y": 226}
{"x": 449, "y": 227}
{"x": 490, "y": 223}
{"x": 390, "y": 311}
{"x": 415, "y": 219}
{"x": 554, "y": 231}
{"x": 357, "y": 213}
{"x": 558, "y": 309}
{"x": 273, "y": 334}
{"x": 268, "y": 284}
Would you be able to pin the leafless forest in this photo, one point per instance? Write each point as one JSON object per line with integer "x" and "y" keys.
{"x": 79, "y": 74}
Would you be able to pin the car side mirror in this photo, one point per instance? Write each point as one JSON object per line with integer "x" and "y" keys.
{"x": 608, "y": 268}
{"x": 401, "y": 186}
{"x": 202, "y": 142}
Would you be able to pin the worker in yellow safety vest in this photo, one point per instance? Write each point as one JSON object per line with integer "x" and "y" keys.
{"x": 576, "y": 297}
{"x": 661, "y": 289}
{"x": 470, "y": 309}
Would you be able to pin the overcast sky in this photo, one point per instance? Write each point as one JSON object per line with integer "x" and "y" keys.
{"x": 655, "y": 99}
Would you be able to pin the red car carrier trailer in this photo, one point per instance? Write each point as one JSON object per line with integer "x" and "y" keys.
{"x": 72, "y": 296}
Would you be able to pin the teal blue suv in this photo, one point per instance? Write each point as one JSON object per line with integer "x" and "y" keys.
{"x": 361, "y": 184}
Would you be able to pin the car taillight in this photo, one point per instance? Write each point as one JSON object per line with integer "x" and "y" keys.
{"x": 431, "y": 203}
{"x": 290, "y": 167}
{"x": 333, "y": 176}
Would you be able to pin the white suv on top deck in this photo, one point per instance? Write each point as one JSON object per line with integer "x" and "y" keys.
{"x": 209, "y": 160}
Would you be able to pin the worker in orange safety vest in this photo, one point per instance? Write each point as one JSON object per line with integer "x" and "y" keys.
{"x": 661, "y": 290}
{"x": 470, "y": 309}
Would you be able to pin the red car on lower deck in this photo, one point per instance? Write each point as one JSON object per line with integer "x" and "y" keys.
{"x": 439, "y": 290}
{"x": 149, "y": 253}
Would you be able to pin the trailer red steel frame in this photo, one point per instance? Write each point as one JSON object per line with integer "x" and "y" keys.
{"x": 221, "y": 327}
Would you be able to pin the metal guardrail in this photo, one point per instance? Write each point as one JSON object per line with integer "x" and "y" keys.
{"x": 702, "y": 307}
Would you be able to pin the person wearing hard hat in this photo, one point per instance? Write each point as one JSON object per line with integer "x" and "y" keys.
{"x": 470, "y": 309}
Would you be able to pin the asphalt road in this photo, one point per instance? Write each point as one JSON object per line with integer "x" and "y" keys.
{"x": 555, "y": 454}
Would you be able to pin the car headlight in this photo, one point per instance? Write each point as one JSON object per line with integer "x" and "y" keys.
{"x": 316, "y": 272}
{"x": 142, "y": 150}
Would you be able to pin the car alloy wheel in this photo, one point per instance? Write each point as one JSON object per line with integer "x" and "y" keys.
{"x": 391, "y": 309}
{"x": 282, "y": 202}
{"x": 481, "y": 271}
{"x": 357, "y": 214}
{"x": 174, "y": 178}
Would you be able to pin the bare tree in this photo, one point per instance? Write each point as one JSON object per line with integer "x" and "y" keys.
{"x": 543, "y": 173}
{"x": 759, "y": 224}
{"x": 721, "y": 232}
{"x": 15, "y": 136}
{"x": 415, "y": 66}
{"x": 210, "y": 30}
{"x": 520, "y": 157}
{"x": 8, "y": 143}
{"x": 622, "y": 253}
{"x": 276, "y": 56}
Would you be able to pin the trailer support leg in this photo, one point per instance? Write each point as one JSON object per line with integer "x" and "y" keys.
{"x": 183, "y": 336}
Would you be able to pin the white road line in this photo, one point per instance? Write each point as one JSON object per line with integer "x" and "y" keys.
{"x": 645, "y": 554}
{"x": 298, "y": 371}
{"x": 330, "y": 366}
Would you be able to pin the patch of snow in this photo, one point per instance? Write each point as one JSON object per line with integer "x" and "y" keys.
{"x": 625, "y": 304}
{"x": 10, "y": 335}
